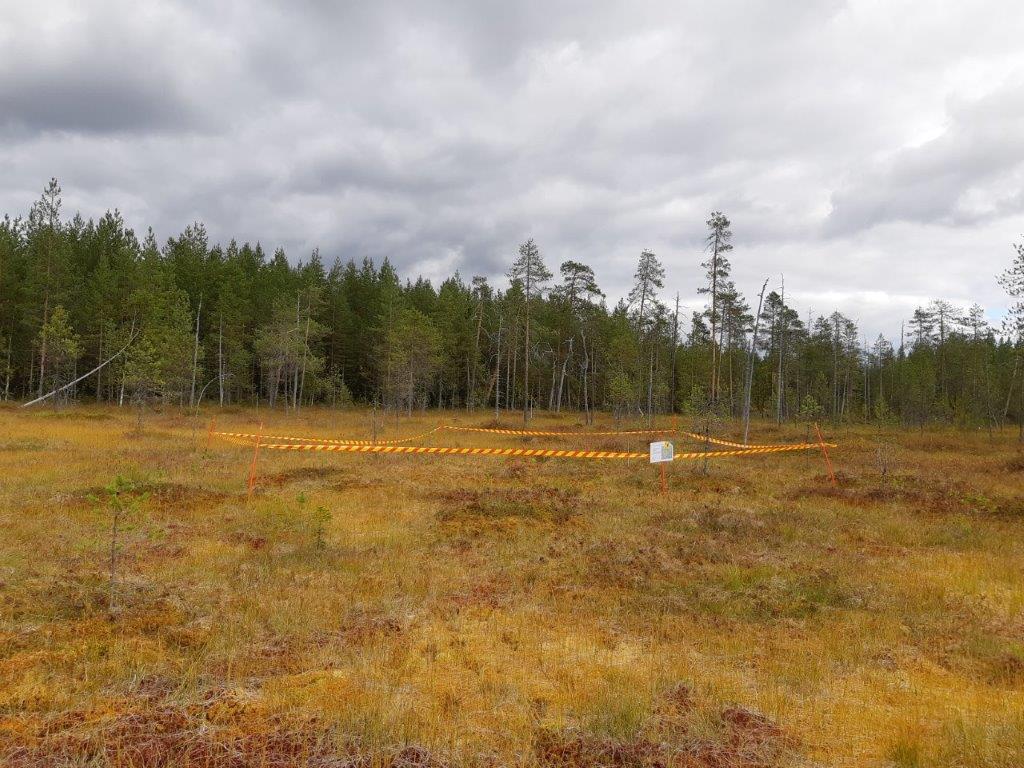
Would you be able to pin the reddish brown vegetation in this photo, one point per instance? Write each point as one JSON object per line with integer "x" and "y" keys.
{"x": 749, "y": 740}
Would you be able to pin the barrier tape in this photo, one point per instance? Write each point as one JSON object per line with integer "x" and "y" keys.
{"x": 519, "y": 432}
{"x": 526, "y": 452}
{"x": 329, "y": 441}
{"x": 694, "y": 435}
{"x": 718, "y": 441}
{"x": 535, "y": 433}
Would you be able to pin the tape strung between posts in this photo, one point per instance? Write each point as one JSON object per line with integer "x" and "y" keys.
{"x": 694, "y": 435}
{"x": 718, "y": 441}
{"x": 534, "y": 433}
{"x": 517, "y": 432}
{"x": 329, "y": 441}
{"x": 526, "y": 452}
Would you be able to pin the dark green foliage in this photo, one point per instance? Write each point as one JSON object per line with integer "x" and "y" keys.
{"x": 232, "y": 325}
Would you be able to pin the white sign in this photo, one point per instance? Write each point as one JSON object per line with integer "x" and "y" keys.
{"x": 661, "y": 451}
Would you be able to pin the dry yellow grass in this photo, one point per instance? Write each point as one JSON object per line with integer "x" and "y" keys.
{"x": 422, "y": 610}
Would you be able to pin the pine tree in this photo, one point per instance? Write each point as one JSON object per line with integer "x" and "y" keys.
{"x": 717, "y": 243}
{"x": 47, "y": 248}
{"x": 648, "y": 278}
{"x": 528, "y": 270}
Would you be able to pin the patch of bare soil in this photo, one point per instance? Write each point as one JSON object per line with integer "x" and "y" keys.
{"x": 298, "y": 475}
{"x": 541, "y": 504}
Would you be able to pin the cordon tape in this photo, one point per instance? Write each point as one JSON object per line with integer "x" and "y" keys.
{"x": 519, "y": 433}
{"x": 525, "y": 452}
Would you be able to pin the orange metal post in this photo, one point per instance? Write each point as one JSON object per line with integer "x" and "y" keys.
{"x": 824, "y": 452}
{"x": 255, "y": 456}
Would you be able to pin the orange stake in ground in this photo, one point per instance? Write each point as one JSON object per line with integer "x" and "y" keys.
{"x": 255, "y": 456}
{"x": 824, "y": 452}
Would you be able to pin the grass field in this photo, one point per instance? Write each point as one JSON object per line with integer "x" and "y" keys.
{"x": 368, "y": 610}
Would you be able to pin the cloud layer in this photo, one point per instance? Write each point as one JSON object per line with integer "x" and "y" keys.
{"x": 871, "y": 151}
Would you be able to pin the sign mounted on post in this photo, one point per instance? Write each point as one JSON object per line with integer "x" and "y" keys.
{"x": 662, "y": 451}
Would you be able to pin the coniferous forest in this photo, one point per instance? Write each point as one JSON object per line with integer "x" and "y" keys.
{"x": 91, "y": 311}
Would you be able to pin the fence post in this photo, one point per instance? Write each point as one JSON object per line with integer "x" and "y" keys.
{"x": 255, "y": 456}
{"x": 824, "y": 452}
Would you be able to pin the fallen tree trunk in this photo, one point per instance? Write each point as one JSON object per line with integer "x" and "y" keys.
{"x": 84, "y": 376}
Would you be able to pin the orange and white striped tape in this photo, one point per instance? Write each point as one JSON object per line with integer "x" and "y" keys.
{"x": 719, "y": 441}
{"x": 536, "y": 433}
{"x": 516, "y": 432}
{"x": 327, "y": 440}
{"x": 694, "y": 435}
{"x": 524, "y": 433}
{"x": 525, "y": 452}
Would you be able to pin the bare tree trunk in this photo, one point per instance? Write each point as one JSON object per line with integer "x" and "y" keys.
{"x": 526, "y": 365}
{"x": 727, "y": 351}
{"x": 195, "y": 356}
{"x": 1013, "y": 379}
{"x": 554, "y": 376}
{"x": 714, "y": 320}
{"x": 593, "y": 380}
{"x": 7, "y": 371}
{"x": 585, "y": 393}
{"x": 305, "y": 348}
{"x": 497, "y": 371}
{"x": 510, "y": 385}
{"x": 867, "y": 391}
{"x": 750, "y": 367}
{"x": 782, "y": 351}
{"x": 42, "y": 344}
{"x": 99, "y": 373}
{"x": 120, "y": 399}
{"x": 295, "y": 369}
{"x": 650, "y": 387}
{"x": 471, "y": 395}
{"x": 561, "y": 381}
{"x": 220, "y": 360}
{"x": 675, "y": 349}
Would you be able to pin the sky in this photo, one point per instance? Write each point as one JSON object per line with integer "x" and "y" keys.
{"x": 869, "y": 152}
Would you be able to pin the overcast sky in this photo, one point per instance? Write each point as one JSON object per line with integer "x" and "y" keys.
{"x": 873, "y": 152}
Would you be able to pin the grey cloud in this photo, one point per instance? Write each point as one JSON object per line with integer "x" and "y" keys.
{"x": 440, "y": 134}
{"x": 92, "y": 103}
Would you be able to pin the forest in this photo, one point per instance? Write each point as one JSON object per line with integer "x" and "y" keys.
{"x": 91, "y": 312}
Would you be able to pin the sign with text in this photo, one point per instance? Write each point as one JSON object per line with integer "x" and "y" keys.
{"x": 662, "y": 451}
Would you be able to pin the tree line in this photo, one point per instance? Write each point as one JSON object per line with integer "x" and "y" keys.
{"x": 88, "y": 311}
